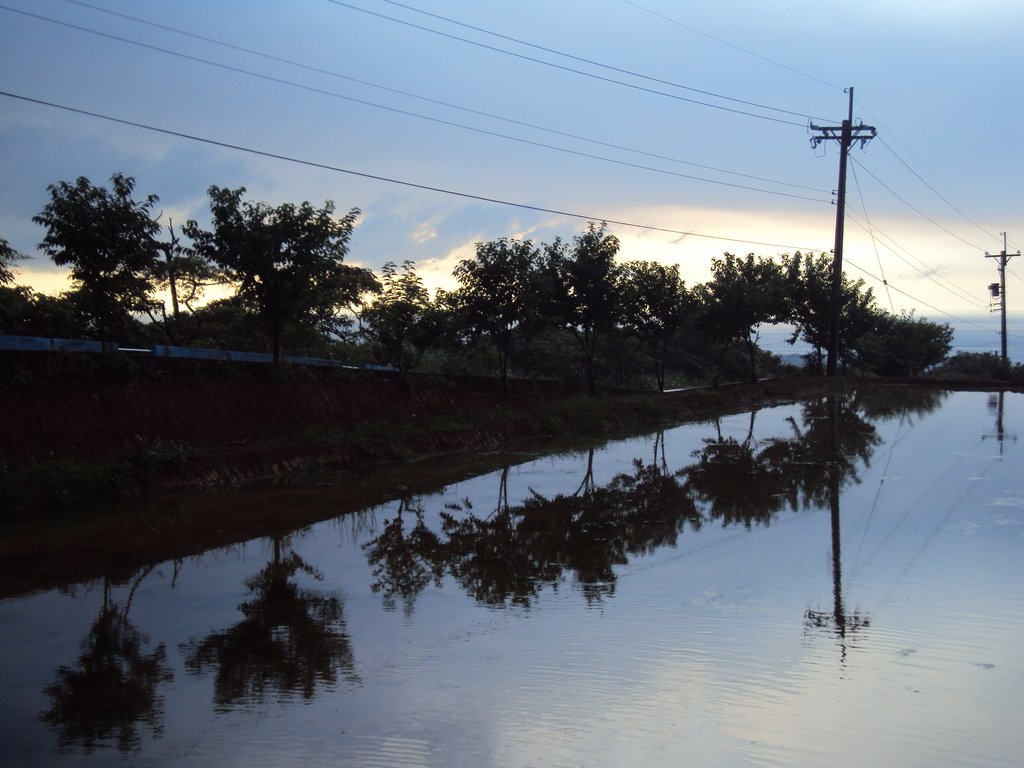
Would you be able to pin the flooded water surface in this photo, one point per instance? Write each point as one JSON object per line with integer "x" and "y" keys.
{"x": 833, "y": 582}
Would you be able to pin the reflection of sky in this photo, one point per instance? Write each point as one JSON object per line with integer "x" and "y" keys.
{"x": 702, "y": 654}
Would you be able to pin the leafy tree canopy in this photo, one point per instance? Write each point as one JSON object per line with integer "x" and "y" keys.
{"x": 287, "y": 261}
{"x": 7, "y": 258}
{"x": 106, "y": 237}
{"x": 655, "y": 304}
{"x": 496, "y": 292}
{"x": 401, "y": 322}
{"x": 585, "y": 278}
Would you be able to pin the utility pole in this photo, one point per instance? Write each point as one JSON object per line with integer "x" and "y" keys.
{"x": 846, "y": 134}
{"x": 1003, "y": 258}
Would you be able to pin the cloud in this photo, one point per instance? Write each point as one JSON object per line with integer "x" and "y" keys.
{"x": 424, "y": 233}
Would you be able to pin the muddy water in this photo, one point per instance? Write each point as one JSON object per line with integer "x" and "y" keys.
{"x": 835, "y": 582}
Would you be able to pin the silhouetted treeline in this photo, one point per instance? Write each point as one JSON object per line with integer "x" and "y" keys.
{"x": 574, "y": 309}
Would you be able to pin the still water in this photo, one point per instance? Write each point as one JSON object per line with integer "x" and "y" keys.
{"x": 834, "y": 582}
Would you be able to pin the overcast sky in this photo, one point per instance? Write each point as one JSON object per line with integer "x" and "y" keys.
{"x": 686, "y": 117}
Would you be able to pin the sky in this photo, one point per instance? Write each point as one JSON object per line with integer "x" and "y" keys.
{"x": 452, "y": 122}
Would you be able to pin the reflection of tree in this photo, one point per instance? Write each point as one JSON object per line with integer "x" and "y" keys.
{"x": 113, "y": 688}
{"x": 881, "y": 403}
{"x": 509, "y": 556}
{"x": 289, "y": 641}
{"x": 749, "y": 482}
{"x": 404, "y": 563}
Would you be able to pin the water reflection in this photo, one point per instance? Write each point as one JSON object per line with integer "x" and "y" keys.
{"x": 508, "y": 555}
{"x": 996, "y": 404}
{"x": 404, "y": 564}
{"x": 732, "y": 575}
{"x": 289, "y": 641}
{"x": 113, "y": 688}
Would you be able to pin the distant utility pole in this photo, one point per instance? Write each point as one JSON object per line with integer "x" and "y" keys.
{"x": 846, "y": 134}
{"x": 1003, "y": 258}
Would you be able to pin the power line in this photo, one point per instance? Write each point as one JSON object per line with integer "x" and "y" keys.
{"x": 388, "y": 180}
{"x": 960, "y": 320}
{"x": 937, "y": 193}
{"x": 583, "y": 60}
{"x": 407, "y": 113}
{"x": 450, "y": 105}
{"x": 924, "y": 270}
{"x": 565, "y": 68}
{"x": 874, "y": 242}
{"x": 989, "y": 231}
{"x": 732, "y": 45}
{"x": 917, "y": 210}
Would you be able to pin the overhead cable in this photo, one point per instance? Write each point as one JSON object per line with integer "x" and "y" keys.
{"x": 563, "y": 68}
{"x": 917, "y": 210}
{"x": 874, "y": 242}
{"x": 388, "y": 180}
{"x": 933, "y": 189}
{"x": 594, "y": 63}
{"x": 925, "y": 271}
{"x": 960, "y": 320}
{"x": 987, "y": 229}
{"x": 407, "y": 113}
{"x": 731, "y": 45}
{"x": 439, "y": 102}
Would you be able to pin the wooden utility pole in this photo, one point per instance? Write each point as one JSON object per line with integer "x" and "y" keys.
{"x": 1003, "y": 257}
{"x": 846, "y": 134}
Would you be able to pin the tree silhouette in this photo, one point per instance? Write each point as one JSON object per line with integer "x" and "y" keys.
{"x": 113, "y": 689}
{"x": 744, "y": 293}
{"x": 108, "y": 240}
{"x": 286, "y": 260}
{"x": 585, "y": 297}
{"x": 7, "y": 258}
{"x": 401, "y": 323}
{"x": 290, "y": 640}
{"x": 497, "y": 292}
{"x": 655, "y": 305}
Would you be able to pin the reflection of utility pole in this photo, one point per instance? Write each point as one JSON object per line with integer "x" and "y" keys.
{"x": 995, "y": 403}
{"x": 846, "y": 134}
{"x": 1000, "y": 291}
{"x": 840, "y": 621}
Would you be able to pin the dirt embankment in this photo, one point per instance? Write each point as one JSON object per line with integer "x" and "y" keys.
{"x": 247, "y": 427}
{"x": 96, "y": 420}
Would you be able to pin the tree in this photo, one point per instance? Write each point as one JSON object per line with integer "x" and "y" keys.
{"x": 400, "y": 320}
{"x": 654, "y": 306}
{"x": 496, "y": 293}
{"x": 107, "y": 238}
{"x": 584, "y": 280}
{"x": 809, "y": 281}
{"x": 7, "y": 258}
{"x": 183, "y": 272}
{"x": 744, "y": 293}
{"x": 903, "y": 345}
{"x": 285, "y": 260}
